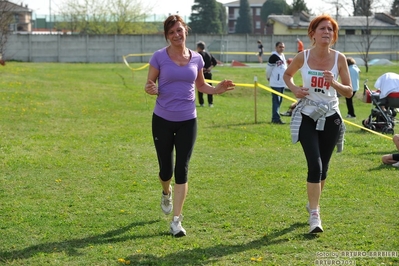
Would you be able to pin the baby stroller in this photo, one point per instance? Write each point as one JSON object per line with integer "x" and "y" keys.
{"x": 385, "y": 101}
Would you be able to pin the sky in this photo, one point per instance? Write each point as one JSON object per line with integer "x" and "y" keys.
{"x": 165, "y": 7}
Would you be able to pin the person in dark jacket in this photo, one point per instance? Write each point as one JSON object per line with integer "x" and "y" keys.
{"x": 260, "y": 51}
{"x": 210, "y": 62}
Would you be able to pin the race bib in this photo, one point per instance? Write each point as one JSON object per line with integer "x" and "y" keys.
{"x": 317, "y": 82}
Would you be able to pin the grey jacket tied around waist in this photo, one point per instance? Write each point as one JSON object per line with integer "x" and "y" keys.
{"x": 319, "y": 115}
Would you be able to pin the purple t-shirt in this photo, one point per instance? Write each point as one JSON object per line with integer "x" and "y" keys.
{"x": 176, "y": 86}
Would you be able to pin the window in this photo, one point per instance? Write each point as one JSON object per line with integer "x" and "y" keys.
{"x": 257, "y": 11}
{"x": 236, "y": 13}
{"x": 257, "y": 25}
{"x": 366, "y": 32}
{"x": 349, "y": 32}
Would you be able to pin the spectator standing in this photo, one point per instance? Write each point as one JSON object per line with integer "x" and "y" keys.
{"x": 275, "y": 69}
{"x": 354, "y": 74}
{"x": 260, "y": 51}
{"x": 210, "y": 62}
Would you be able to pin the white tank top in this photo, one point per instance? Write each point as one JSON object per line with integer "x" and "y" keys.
{"x": 319, "y": 90}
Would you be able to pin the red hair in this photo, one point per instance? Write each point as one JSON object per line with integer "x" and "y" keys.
{"x": 315, "y": 23}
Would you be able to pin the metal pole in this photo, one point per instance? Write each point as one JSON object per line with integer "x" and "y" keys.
{"x": 50, "y": 16}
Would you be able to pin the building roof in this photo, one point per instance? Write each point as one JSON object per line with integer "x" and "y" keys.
{"x": 379, "y": 20}
{"x": 252, "y": 3}
{"x": 14, "y": 7}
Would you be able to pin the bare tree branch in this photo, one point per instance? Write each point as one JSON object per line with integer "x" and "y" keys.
{"x": 6, "y": 20}
{"x": 105, "y": 17}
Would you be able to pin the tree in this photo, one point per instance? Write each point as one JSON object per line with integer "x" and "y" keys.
{"x": 299, "y": 6}
{"x": 205, "y": 17}
{"x": 104, "y": 17}
{"x": 6, "y": 19}
{"x": 244, "y": 20}
{"x": 395, "y": 8}
{"x": 365, "y": 45}
{"x": 277, "y": 7}
{"x": 362, "y": 7}
{"x": 223, "y": 17}
{"x": 126, "y": 17}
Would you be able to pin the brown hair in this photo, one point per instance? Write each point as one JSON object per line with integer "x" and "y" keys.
{"x": 315, "y": 23}
{"x": 170, "y": 22}
{"x": 201, "y": 45}
{"x": 350, "y": 61}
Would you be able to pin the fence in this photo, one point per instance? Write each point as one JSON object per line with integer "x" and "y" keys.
{"x": 111, "y": 48}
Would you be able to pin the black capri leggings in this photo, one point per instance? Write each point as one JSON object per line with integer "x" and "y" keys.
{"x": 179, "y": 135}
{"x": 318, "y": 146}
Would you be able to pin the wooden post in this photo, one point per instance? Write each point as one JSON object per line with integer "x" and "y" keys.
{"x": 255, "y": 85}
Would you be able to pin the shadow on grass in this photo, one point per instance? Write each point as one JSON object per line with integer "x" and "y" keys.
{"x": 70, "y": 246}
{"x": 210, "y": 255}
{"x": 382, "y": 166}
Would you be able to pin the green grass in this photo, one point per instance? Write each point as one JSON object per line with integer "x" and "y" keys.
{"x": 78, "y": 183}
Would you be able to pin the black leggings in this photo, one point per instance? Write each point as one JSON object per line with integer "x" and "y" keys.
{"x": 179, "y": 135}
{"x": 318, "y": 146}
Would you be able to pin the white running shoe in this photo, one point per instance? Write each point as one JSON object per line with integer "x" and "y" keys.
{"x": 395, "y": 164}
{"x": 315, "y": 223}
{"x": 308, "y": 208}
{"x": 175, "y": 226}
{"x": 166, "y": 202}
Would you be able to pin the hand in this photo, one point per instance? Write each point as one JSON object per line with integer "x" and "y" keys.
{"x": 225, "y": 85}
{"x": 151, "y": 88}
{"x": 300, "y": 92}
{"x": 328, "y": 76}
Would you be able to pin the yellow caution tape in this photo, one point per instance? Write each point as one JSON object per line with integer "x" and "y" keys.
{"x": 134, "y": 69}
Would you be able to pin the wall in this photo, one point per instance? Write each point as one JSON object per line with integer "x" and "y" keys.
{"x": 111, "y": 48}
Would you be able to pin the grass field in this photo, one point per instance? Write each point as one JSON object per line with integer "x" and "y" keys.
{"x": 78, "y": 182}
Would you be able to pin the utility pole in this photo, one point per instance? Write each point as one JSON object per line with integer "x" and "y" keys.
{"x": 336, "y": 8}
{"x": 50, "y": 17}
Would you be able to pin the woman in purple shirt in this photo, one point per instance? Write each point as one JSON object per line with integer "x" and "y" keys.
{"x": 174, "y": 122}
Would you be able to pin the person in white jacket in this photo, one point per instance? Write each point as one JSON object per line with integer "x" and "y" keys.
{"x": 386, "y": 84}
{"x": 275, "y": 69}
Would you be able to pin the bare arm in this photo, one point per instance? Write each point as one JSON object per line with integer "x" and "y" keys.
{"x": 396, "y": 140}
{"x": 204, "y": 87}
{"x": 344, "y": 87}
{"x": 289, "y": 73}
{"x": 151, "y": 86}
